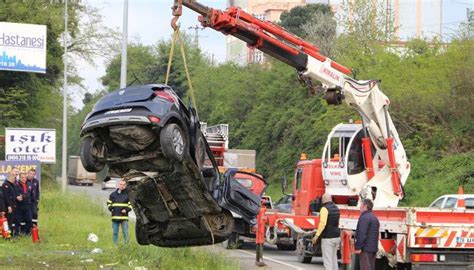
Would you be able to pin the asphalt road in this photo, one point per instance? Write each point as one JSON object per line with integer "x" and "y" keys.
{"x": 245, "y": 256}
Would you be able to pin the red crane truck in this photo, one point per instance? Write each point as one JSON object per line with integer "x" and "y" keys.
{"x": 359, "y": 161}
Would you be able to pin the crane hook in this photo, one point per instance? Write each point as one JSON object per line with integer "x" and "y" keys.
{"x": 177, "y": 11}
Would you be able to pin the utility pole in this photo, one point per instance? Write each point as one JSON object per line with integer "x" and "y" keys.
{"x": 196, "y": 34}
{"x": 64, "y": 154}
{"x": 123, "y": 67}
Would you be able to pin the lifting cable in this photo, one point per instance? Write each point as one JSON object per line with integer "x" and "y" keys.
{"x": 177, "y": 38}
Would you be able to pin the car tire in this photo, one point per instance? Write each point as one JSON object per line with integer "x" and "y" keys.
{"x": 173, "y": 142}
{"x": 300, "y": 251}
{"x": 89, "y": 162}
{"x": 200, "y": 152}
{"x": 141, "y": 235}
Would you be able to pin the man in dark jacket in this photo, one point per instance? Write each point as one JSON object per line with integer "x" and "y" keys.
{"x": 23, "y": 215}
{"x": 35, "y": 195}
{"x": 367, "y": 235}
{"x": 119, "y": 205}
{"x": 11, "y": 196}
{"x": 328, "y": 231}
{"x": 3, "y": 208}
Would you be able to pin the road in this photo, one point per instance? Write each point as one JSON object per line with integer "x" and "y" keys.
{"x": 245, "y": 256}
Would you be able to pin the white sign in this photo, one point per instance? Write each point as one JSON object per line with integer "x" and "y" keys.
{"x": 23, "y": 144}
{"x": 23, "y": 47}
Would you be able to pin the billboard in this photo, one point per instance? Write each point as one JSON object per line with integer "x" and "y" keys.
{"x": 25, "y": 144}
{"x": 23, "y": 47}
{"x": 23, "y": 166}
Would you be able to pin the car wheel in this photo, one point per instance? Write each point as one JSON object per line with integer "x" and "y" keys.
{"x": 200, "y": 152}
{"x": 301, "y": 252}
{"x": 89, "y": 161}
{"x": 173, "y": 142}
{"x": 141, "y": 235}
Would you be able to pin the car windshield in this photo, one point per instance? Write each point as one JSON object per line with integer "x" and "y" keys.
{"x": 438, "y": 203}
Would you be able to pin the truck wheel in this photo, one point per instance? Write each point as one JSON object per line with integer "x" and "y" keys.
{"x": 141, "y": 235}
{"x": 301, "y": 252}
{"x": 286, "y": 247}
{"x": 173, "y": 142}
{"x": 89, "y": 161}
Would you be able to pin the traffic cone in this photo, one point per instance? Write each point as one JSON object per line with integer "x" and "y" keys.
{"x": 461, "y": 203}
{"x": 34, "y": 234}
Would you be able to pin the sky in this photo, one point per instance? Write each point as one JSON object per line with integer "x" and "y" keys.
{"x": 149, "y": 22}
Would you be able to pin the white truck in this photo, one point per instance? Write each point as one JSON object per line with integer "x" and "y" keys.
{"x": 77, "y": 174}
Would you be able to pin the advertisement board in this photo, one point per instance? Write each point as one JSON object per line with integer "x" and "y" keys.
{"x": 23, "y": 47}
{"x": 23, "y": 166}
{"x": 25, "y": 144}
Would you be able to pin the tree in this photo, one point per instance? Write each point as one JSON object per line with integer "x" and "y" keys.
{"x": 321, "y": 31}
{"x": 294, "y": 19}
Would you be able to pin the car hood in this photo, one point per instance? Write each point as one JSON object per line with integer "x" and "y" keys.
{"x": 127, "y": 95}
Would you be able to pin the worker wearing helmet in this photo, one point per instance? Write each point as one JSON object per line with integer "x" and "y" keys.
{"x": 119, "y": 205}
{"x": 328, "y": 232}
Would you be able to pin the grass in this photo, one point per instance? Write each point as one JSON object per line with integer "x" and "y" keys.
{"x": 65, "y": 223}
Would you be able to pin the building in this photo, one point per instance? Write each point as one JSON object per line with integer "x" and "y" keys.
{"x": 412, "y": 18}
{"x": 237, "y": 51}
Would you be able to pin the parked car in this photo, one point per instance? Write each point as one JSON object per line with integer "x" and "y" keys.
{"x": 110, "y": 183}
{"x": 451, "y": 201}
{"x": 284, "y": 204}
{"x": 147, "y": 135}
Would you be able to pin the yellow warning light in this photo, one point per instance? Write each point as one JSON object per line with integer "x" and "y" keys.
{"x": 303, "y": 156}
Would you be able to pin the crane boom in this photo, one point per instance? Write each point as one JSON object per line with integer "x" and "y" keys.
{"x": 364, "y": 96}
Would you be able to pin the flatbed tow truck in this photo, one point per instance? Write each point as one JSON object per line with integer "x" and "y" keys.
{"x": 364, "y": 160}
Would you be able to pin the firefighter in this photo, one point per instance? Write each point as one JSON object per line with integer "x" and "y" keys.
{"x": 119, "y": 205}
{"x": 3, "y": 208}
{"x": 11, "y": 198}
{"x": 35, "y": 195}
{"x": 23, "y": 215}
{"x": 328, "y": 231}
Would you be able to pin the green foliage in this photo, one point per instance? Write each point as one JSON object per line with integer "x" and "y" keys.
{"x": 294, "y": 19}
{"x": 431, "y": 178}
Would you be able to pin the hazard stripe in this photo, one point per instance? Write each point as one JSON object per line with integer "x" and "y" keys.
{"x": 470, "y": 244}
{"x": 120, "y": 205}
{"x": 419, "y": 231}
{"x": 463, "y": 234}
{"x": 432, "y": 233}
{"x": 450, "y": 239}
{"x": 117, "y": 217}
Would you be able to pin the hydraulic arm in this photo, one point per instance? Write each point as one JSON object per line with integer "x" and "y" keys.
{"x": 364, "y": 96}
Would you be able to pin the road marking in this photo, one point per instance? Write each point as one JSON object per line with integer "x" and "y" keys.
{"x": 272, "y": 260}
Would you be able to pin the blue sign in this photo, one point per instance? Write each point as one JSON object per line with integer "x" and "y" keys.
{"x": 24, "y": 166}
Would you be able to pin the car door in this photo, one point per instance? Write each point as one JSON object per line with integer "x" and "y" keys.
{"x": 235, "y": 197}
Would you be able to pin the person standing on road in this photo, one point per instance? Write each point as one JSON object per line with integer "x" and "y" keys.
{"x": 367, "y": 235}
{"x": 328, "y": 231}
{"x": 24, "y": 206}
{"x": 119, "y": 205}
{"x": 11, "y": 196}
{"x": 35, "y": 195}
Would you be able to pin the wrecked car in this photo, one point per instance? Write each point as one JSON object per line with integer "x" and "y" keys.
{"x": 149, "y": 137}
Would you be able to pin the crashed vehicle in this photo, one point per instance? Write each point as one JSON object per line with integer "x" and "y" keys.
{"x": 149, "y": 137}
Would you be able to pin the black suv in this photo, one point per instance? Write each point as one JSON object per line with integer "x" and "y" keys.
{"x": 149, "y": 137}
